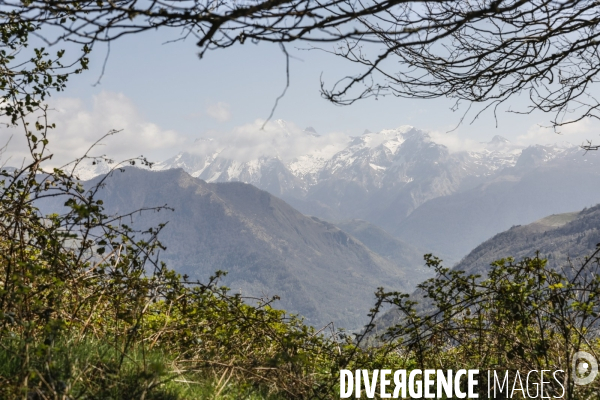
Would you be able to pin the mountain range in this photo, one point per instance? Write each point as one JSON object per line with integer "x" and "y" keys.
{"x": 393, "y": 170}
{"x": 544, "y": 180}
{"x": 404, "y": 182}
{"x": 323, "y": 230}
{"x": 266, "y": 246}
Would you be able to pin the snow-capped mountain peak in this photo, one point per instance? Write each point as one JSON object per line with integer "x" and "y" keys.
{"x": 336, "y": 176}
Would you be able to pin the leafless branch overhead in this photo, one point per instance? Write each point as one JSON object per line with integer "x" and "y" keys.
{"x": 479, "y": 51}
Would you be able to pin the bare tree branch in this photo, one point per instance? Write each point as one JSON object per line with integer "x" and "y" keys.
{"x": 481, "y": 51}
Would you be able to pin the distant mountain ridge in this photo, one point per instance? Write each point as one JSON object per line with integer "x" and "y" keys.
{"x": 543, "y": 181}
{"x": 373, "y": 167}
{"x": 404, "y": 182}
{"x": 267, "y": 247}
{"x": 558, "y": 237}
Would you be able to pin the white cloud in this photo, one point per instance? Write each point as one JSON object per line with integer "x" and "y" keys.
{"x": 278, "y": 139}
{"x": 78, "y": 127}
{"x": 575, "y": 133}
{"x": 454, "y": 142}
{"x": 219, "y": 111}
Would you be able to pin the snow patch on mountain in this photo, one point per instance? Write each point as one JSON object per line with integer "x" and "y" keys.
{"x": 89, "y": 169}
{"x": 244, "y": 155}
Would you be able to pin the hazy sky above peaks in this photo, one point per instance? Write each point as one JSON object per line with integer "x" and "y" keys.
{"x": 163, "y": 97}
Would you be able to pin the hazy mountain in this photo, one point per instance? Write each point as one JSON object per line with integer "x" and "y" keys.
{"x": 544, "y": 180}
{"x": 404, "y": 182}
{"x": 558, "y": 237}
{"x": 384, "y": 244}
{"x": 380, "y": 177}
{"x": 400, "y": 180}
{"x": 267, "y": 173}
{"x": 266, "y": 246}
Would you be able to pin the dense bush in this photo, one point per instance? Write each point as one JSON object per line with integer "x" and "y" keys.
{"x": 522, "y": 316}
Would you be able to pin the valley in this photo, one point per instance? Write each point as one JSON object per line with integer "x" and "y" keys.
{"x": 323, "y": 231}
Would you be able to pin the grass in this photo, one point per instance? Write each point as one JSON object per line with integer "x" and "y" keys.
{"x": 557, "y": 220}
{"x": 92, "y": 370}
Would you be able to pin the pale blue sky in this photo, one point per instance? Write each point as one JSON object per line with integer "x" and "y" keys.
{"x": 173, "y": 87}
{"x": 164, "y": 97}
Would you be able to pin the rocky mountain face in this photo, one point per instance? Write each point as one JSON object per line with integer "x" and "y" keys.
{"x": 380, "y": 177}
{"x": 267, "y": 247}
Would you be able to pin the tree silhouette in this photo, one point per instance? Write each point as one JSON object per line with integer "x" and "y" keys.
{"x": 481, "y": 51}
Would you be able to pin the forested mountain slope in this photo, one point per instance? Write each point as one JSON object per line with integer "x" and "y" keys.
{"x": 561, "y": 238}
{"x": 266, "y": 246}
{"x": 557, "y": 237}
